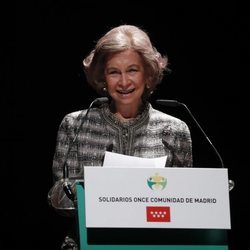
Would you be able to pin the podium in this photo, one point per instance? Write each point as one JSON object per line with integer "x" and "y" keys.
{"x": 115, "y": 209}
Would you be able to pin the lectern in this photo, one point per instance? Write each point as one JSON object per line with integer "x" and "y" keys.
{"x": 153, "y": 209}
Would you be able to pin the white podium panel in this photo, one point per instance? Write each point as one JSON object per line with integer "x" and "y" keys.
{"x": 157, "y": 197}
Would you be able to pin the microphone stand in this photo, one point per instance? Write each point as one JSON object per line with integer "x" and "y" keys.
{"x": 67, "y": 185}
{"x": 174, "y": 103}
{"x": 203, "y": 132}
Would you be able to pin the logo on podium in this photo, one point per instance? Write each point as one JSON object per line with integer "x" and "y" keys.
{"x": 158, "y": 214}
{"x": 157, "y": 182}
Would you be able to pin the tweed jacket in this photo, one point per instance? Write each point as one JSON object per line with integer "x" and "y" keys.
{"x": 84, "y": 137}
{"x": 152, "y": 134}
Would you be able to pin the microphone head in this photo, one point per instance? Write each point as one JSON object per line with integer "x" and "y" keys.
{"x": 100, "y": 100}
{"x": 169, "y": 103}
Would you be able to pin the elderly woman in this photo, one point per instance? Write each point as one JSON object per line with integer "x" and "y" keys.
{"x": 125, "y": 67}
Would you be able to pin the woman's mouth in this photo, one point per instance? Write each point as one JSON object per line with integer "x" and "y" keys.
{"x": 126, "y": 91}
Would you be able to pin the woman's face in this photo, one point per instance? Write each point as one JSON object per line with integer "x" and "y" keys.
{"x": 125, "y": 77}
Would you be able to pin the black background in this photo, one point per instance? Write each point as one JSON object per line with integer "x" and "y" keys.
{"x": 208, "y": 49}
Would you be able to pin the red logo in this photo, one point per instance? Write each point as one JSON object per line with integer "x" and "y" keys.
{"x": 158, "y": 214}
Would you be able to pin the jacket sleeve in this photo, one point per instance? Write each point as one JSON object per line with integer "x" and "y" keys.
{"x": 177, "y": 138}
{"x": 57, "y": 198}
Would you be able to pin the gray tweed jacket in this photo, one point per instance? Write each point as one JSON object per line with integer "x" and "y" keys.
{"x": 83, "y": 140}
{"x": 152, "y": 134}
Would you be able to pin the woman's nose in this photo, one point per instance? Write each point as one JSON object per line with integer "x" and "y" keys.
{"x": 124, "y": 80}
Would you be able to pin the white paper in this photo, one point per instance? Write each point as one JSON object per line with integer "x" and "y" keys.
{"x": 120, "y": 160}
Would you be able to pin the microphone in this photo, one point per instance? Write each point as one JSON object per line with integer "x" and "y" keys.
{"x": 174, "y": 103}
{"x": 97, "y": 102}
{"x": 67, "y": 185}
{"x": 169, "y": 103}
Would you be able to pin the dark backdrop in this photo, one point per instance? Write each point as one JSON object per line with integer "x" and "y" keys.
{"x": 208, "y": 50}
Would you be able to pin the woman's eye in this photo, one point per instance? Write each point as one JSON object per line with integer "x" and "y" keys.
{"x": 133, "y": 70}
{"x": 113, "y": 72}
